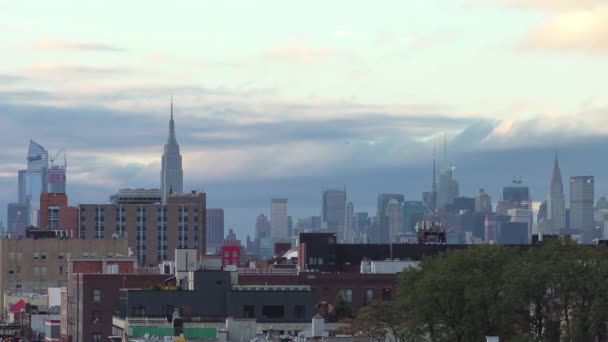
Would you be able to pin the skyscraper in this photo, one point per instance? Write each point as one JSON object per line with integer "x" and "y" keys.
{"x": 582, "y": 195}
{"x": 556, "y": 204}
{"x": 381, "y": 233}
{"x": 171, "y": 174}
{"x": 483, "y": 202}
{"x": 215, "y": 228}
{"x": 448, "y": 188}
{"x": 278, "y": 219}
{"x": 35, "y": 179}
{"x": 262, "y": 227}
{"x": 393, "y": 214}
{"x": 334, "y": 205}
{"x": 349, "y": 223}
{"x": 55, "y": 180}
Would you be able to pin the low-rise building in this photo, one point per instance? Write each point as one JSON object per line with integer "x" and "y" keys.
{"x": 32, "y": 265}
{"x": 222, "y": 298}
{"x": 92, "y": 295}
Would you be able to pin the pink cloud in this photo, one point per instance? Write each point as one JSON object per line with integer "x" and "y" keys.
{"x": 555, "y": 4}
{"x": 572, "y": 30}
{"x": 54, "y": 44}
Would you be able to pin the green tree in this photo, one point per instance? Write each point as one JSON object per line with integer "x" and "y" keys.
{"x": 342, "y": 309}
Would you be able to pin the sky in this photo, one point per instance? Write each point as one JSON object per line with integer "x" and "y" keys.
{"x": 283, "y": 99}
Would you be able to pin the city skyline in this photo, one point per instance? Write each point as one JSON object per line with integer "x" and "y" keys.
{"x": 369, "y": 127}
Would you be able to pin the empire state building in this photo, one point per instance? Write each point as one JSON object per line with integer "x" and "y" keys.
{"x": 171, "y": 174}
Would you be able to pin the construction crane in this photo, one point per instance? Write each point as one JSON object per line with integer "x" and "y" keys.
{"x": 65, "y": 160}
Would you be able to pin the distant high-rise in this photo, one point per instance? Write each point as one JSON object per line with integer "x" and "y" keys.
{"x": 381, "y": 233}
{"x": 16, "y": 219}
{"x": 278, "y": 219}
{"x": 289, "y": 226}
{"x": 349, "y": 223}
{"x": 448, "y": 188}
{"x": 35, "y": 179}
{"x": 393, "y": 214}
{"x": 556, "y": 204}
{"x": 362, "y": 221}
{"x": 215, "y": 228}
{"x": 55, "y": 180}
{"x": 517, "y": 195}
{"x": 333, "y": 207}
{"x": 483, "y": 202}
{"x": 412, "y": 213}
{"x": 262, "y": 227}
{"x": 582, "y": 196}
{"x": 171, "y": 174}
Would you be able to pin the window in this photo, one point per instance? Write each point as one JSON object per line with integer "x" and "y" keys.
{"x": 60, "y": 271}
{"x": 96, "y": 337}
{"x": 11, "y": 271}
{"x": 346, "y": 294}
{"x": 36, "y": 255}
{"x": 19, "y": 255}
{"x": 43, "y": 255}
{"x": 60, "y": 256}
{"x": 248, "y": 311}
{"x": 369, "y": 295}
{"x": 273, "y": 311}
{"x": 299, "y": 312}
{"x": 96, "y": 296}
{"x": 139, "y": 311}
{"x": 386, "y": 294}
{"x": 43, "y": 270}
{"x": 96, "y": 319}
{"x": 11, "y": 255}
{"x": 36, "y": 270}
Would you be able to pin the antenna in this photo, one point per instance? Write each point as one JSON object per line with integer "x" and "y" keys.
{"x": 445, "y": 148}
{"x": 434, "y": 167}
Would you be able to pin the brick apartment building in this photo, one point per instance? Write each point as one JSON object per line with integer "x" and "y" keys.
{"x": 32, "y": 265}
{"x": 356, "y": 289}
{"x": 56, "y": 214}
{"x": 91, "y": 297}
{"x": 153, "y": 230}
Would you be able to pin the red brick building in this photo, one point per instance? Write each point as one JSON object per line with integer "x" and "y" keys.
{"x": 231, "y": 255}
{"x": 90, "y": 299}
{"x": 356, "y": 289}
{"x": 56, "y": 214}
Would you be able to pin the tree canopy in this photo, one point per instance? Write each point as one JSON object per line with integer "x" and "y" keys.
{"x": 556, "y": 292}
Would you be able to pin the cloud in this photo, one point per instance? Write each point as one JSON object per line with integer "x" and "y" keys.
{"x": 571, "y": 25}
{"x": 345, "y": 34}
{"x": 554, "y": 5}
{"x": 300, "y": 54}
{"x": 572, "y": 30}
{"x": 166, "y": 58}
{"x": 66, "y": 71}
{"x": 55, "y": 44}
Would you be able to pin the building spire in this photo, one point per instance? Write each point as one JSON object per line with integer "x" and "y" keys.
{"x": 557, "y": 187}
{"x": 171, "y": 140}
{"x": 434, "y": 167}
